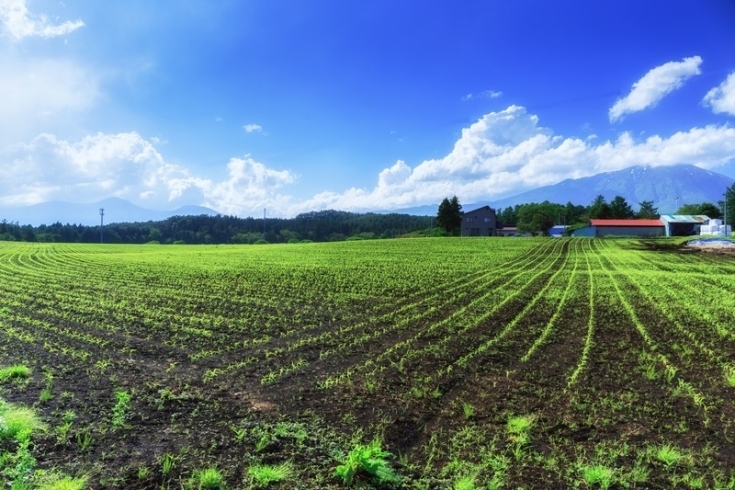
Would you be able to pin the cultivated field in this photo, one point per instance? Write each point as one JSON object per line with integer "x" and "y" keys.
{"x": 478, "y": 363}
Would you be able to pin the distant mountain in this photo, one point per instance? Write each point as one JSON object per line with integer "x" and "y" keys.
{"x": 116, "y": 211}
{"x": 669, "y": 187}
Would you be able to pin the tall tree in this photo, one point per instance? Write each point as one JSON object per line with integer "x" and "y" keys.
{"x": 620, "y": 209}
{"x": 509, "y": 216}
{"x": 600, "y": 208}
{"x": 647, "y": 211}
{"x": 729, "y": 203}
{"x": 706, "y": 208}
{"x": 538, "y": 217}
{"x": 449, "y": 215}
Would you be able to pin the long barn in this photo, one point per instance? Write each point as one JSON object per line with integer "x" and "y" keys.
{"x": 623, "y": 227}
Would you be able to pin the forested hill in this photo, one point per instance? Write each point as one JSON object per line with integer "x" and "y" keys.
{"x": 315, "y": 226}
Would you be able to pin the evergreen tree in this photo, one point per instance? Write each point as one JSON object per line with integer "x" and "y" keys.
{"x": 449, "y": 215}
{"x": 729, "y": 203}
{"x": 600, "y": 209}
{"x": 647, "y": 211}
{"x": 706, "y": 208}
{"x": 620, "y": 209}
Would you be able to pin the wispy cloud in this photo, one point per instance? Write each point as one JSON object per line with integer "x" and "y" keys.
{"x": 253, "y": 128}
{"x": 655, "y": 85}
{"x": 486, "y": 94}
{"x": 19, "y": 23}
{"x": 43, "y": 93}
{"x": 722, "y": 98}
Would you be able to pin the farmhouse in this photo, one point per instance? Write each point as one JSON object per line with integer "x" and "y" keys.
{"x": 479, "y": 222}
{"x": 623, "y": 227}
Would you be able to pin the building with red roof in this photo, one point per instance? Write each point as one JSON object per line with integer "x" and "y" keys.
{"x": 623, "y": 227}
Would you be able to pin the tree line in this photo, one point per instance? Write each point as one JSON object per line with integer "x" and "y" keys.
{"x": 320, "y": 226}
{"x": 330, "y": 225}
{"x": 540, "y": 217}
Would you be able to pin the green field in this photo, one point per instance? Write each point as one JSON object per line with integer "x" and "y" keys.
{"x": 477, "y": 363}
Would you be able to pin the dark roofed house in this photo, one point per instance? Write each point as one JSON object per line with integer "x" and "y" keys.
{"x": 479, "y": 222}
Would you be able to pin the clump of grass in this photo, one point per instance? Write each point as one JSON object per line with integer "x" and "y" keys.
{"x": 669, "y": 456}
{"x": 598, "y": 474}
{"x": 18, "y": 422}
{"x": 730, "y": 376}
{"x": 369, "y": 459}
{"x": 16, "y": 371}
{"x": 60, "y": 482}
{"x": 209, "y": 479}
{"x": 520, "y": 425}
{"x": 266, "y": 474}
{"x": 465, "y": 483}
{"x": 168, "y": 461}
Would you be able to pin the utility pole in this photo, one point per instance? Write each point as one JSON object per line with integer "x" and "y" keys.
{"x": 264, "y": 223}
{"x": 102, "y": 222}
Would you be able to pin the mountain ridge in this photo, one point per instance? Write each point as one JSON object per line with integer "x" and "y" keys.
{"x": 117, "y": 210}
{"x": 669, "y": 187}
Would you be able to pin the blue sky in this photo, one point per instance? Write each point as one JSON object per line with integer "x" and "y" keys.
{"x": 299, "y": 106}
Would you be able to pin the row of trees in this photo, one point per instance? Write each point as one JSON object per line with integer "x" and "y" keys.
{"x": 540, "y": 217}
{"x": 339, "y": 225}
{"x": 316, "y": 226}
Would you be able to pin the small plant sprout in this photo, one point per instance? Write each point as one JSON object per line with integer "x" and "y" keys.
{"x": 84, "y": 440}
{"x": 519, "y": 426}
{"x": 266, "y": 474}
{"x": 120, "y": 410}
{"x": 468, "y": 410}
{"x": 730, "y": 376}
{"x": 45, "y": 395}
{"x": 168, "y": 461}
{"x": 240, "y": 433}
{"x": 669, "y": 456}
{"x": 209, "y": 479}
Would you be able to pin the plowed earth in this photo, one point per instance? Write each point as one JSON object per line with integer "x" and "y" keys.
{"x": 237, "y": 356}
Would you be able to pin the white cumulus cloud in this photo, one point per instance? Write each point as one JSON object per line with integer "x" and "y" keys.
{"x": 655, "y": 85}
{"x": 128, "y": 166}
{"x": 722, "y": 98}
{"x": 507, "y": 152}
{"x": 18, "y": 23}
{"x": 252, "y": 128}
{"x": 501, "y": 154}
